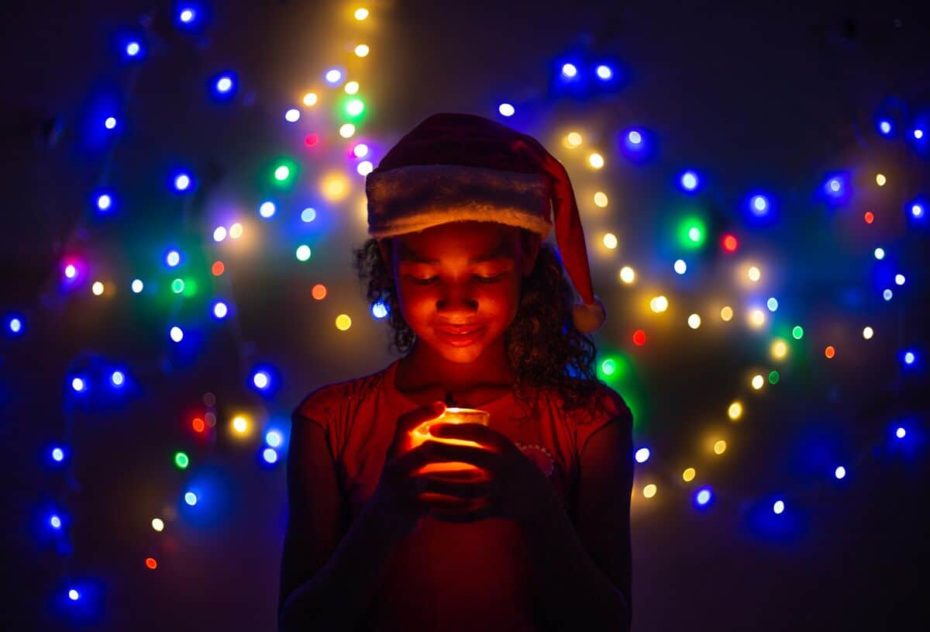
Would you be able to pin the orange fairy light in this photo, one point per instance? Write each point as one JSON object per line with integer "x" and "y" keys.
{"x": 217, "y": 268}
{"x": 318, "y": 292}
{"x": 869, "y": 217}
{"x": 830, "y": 352}
{"x": 198, "y": 424}
{"x": 151, "y": 563}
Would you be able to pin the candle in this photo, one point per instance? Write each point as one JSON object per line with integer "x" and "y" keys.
{"x": 451, "y": 416}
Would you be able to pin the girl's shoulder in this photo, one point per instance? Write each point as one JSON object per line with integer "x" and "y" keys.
{"x": 328, "y": 400}
{"x": 602, "y": 405}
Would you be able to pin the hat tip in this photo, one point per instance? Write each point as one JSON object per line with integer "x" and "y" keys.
{"x": 588, "y": 318}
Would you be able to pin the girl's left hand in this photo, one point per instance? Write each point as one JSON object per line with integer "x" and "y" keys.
{"x": 517, "y": 488}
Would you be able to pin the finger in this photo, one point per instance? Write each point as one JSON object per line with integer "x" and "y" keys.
{"x": 411, "y": 419}
{"x": 436, "y": 451}
{"x": 453, "y": 488}
{"x": 469, "y": 431}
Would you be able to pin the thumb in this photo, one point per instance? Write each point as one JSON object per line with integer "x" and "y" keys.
{"x": 410, "y": 420}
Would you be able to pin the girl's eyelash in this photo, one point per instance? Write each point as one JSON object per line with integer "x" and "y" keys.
{"x": 481, "y": 279}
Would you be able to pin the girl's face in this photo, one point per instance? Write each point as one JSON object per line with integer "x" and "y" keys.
{"x": 458, "y": 284}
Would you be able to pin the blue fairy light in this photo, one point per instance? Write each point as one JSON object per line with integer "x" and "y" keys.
{"x": 604, "y": 72}
{"x": 267, "y": 209}
{"x": 885, "y": 127}
{"x": 689, "y": 181}
{"x": 104, "y": 202}
{"x": 15, "y": 325}
{"x": 569, "y": 71}
{"x": 840, "y": 473}
{"x": 223, "y": 86}
{"x": 703, "y": 497}
{"x": 642, "y": 455}
{"x": 182, "y": 181}
{"x": 379, "y": 310}
{"x": 58, "y": 454}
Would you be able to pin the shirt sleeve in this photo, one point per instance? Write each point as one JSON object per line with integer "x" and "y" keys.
{"x": 608, "y": 407}
{"x": 323, "y": 408}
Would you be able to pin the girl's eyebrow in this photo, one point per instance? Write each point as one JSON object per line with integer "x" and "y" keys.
{"x": 500, "y": 252}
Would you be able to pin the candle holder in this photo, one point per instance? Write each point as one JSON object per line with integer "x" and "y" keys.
{"x": 453, "y": 469}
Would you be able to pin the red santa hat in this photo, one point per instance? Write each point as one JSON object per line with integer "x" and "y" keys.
{"x": 462, "y": 167}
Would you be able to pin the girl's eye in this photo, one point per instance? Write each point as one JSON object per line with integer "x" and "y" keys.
{"x": 481, "y": 279}
{"x": 490, "y": 279}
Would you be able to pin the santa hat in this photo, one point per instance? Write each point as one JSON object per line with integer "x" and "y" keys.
{"x": 462, "y": 167}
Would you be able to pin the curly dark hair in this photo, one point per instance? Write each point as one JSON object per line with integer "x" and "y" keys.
{"x": 544, "y": 347}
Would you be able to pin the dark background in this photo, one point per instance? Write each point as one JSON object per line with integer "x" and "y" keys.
{"x": 769, "y": 95}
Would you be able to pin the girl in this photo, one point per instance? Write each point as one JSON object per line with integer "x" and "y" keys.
{"x": 483, "y": 316}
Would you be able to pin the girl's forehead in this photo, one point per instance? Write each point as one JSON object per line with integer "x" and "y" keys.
{"x": 478, "y": 240}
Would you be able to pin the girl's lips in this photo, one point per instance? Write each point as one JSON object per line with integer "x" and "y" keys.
{"x": 460, "y": 336}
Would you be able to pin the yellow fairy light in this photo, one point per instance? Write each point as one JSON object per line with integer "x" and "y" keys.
{"x": 726, "y": 313}
{"x": 610, "y": 241}
{"x": 735, "y": 411}
{"x": 688, "y": 475}
{"x": 757, "y": 382}
{"x": 361, "y": 50}
{"x": 658, "y": 304}
{"x": 880, "y": 179}
{"x": 158, "y": 524}
{"x": 595, "y": 160}
{"x": 572, "y": 140}
{"x": 347, "y": 130}
{"x": 241, "y": 425}
{"x": 867, "y": 333}
{"x": 97, "y": 288}
{"x": 334, "y": 186}
{"x": 361, "y": 14}
{"x": 600, "y": 199}
{"x": 754, "y": 274}
{"x": 627, "y": 275}
{"x": 352, "y": 87}
{"x": 757, "y": 318}
{"x": 720, "y": 447}
{"x": 779, "y": 349}
{"x": 694, "y": 321}
{"x": 343, "y": 322}
{"x": 310, "y": 99}
{"x": 235, "y": 231}
{"x": 650, "y": 490}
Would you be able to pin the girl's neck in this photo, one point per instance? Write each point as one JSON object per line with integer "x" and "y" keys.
{"x": 424, "y": 368}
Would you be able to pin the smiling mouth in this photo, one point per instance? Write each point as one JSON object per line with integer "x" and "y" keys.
{"x": 460, "y": 336}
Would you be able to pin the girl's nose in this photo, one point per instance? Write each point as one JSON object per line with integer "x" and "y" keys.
{"x": 454, "y": 298}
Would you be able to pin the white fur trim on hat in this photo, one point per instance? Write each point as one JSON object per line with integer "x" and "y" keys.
{"x": 414, "y": 198}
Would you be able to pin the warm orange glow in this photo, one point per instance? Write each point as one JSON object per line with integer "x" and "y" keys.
{"x": 218, "y": 268}
{"x": 830, "y": 352}
{"x": 198, "y": 425}
{"x": 453, "y": 416}
{"x": 319, "y": 291}
{"x": 151, "y": 563}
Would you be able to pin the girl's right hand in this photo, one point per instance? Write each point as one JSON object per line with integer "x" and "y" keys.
{"x": 398, "y": 494}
